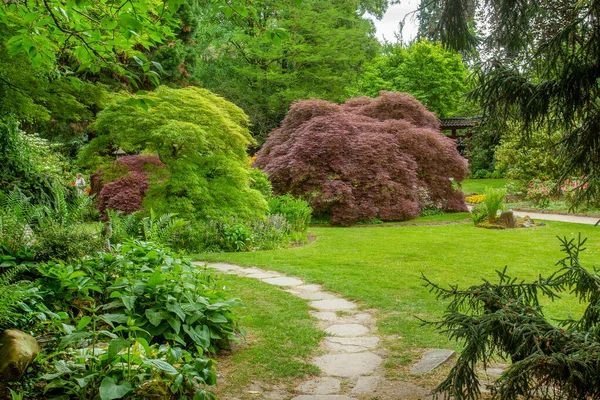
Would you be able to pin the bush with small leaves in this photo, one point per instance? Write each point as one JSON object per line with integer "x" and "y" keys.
{"x": 368, "y": 158}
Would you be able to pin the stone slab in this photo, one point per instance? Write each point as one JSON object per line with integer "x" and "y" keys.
{"x": 332, "y": 305}
{"x": 351, "y": 345}
{"x": 493, "y": 371}
{"x": 221, "y": 267}
{"x": 263, "y": 275}
{"x": 283, "y": 281}
{"x": 365, "y": 384}
{"x": 250, "y": 271}
{"x": 431, "y": 360}
{"x": 329, "y": 316}
{"x": 363, "y": 317}
{"x": 347, "y": 330}
{"x": 323, "y": 397}
{"x": 313, "y": 295}
{"x": 309, "y": 288}
{"x": 348, "y": 365}
{"x": 324, "y": 385}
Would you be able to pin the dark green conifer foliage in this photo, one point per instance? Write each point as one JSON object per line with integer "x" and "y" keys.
{"x": 542, "y": 69}
{"x": 506, "y": 319}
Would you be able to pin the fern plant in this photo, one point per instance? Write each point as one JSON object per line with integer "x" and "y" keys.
{"x": 12, "y": 293}
{"x": 17, "y": 215}
{"x": 160, "y": 229}
{"x": 58, "y": 211}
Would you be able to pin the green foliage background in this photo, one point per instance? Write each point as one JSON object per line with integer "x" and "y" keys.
{"x": 437, "y": 77}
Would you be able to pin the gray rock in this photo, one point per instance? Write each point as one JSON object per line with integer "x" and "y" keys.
{"x": 431, "y": 360}
{"x": 347, "y": 330}
{"x": 507, "y": 219}
{"x": 313, "y": 295}
{"x": 365, "y": 384}
{"x": 221, "y": 267}
{"x": 348, "y": 365}
{"x": 332, "y": 305}
{"x": 351, "y": 345}
{"x": 283, "y": 281}
{"x": 324, "y": 385}
{"x": 17, "y": 350}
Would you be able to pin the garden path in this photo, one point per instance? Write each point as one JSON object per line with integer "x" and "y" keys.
{"x": 351, "y": 360}
{"x": 557, "y": 217}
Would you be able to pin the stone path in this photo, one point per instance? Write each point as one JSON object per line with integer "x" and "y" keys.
{"x": 351, "y": 360}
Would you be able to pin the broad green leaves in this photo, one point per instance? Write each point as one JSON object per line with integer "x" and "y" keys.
{"x": 94, "y": 34}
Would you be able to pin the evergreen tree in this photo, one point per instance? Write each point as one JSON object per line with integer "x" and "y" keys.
{"x": 507, "y": 319}
{"x": 542, "y": 69}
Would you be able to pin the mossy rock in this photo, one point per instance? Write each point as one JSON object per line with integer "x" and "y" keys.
{"x": 489, "y": 225}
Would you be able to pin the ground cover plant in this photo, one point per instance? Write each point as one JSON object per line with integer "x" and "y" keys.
{"x": 380, "y": 158}
{"x": 138, "y": 322}
{"x": 381, "y": 268}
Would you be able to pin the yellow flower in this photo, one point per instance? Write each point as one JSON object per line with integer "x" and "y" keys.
{"x": 475, "y": 199}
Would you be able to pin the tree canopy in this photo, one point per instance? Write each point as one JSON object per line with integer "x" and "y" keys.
{"x": 435, "y": 76}
{"x": 376, "y": 158}
{"x": 325, "y": 45}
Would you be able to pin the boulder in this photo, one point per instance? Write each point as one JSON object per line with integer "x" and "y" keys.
{"x": 526, "y": 222}
{"x": 17, "y": 350}
{"x": 507, "y": 219}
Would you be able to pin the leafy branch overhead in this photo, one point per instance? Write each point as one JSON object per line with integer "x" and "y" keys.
{"x": 94, "y": 34}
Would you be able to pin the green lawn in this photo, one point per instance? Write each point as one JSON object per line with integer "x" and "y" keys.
{"x": 380, "y": 267}
{"x": 479, "y": 185}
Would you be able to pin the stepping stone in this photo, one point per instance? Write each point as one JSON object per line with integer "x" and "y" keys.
{"x": 313, "y": 295}
{"x": 351, "y": 345}
{"x": 325, "y": 315}
{"x": 348, "y": 365}
{"x": 324, "y": 385}
{"x": 309, "y": 288}
{"x": 323, "y": 397}
{"x": 332, "y": 305}
{"x": 251, "y": 271}
{"x": 283, "y": 281}
{"x": 221, "y": 267}
{"x": 263, "y": 275}
{"x": 431, "y": 360}
{"x": 347, "y": 330}
{"x": 363, "y": 317}
{"x": 365, "y": 384}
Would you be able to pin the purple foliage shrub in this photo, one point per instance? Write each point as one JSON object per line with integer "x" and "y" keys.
{"x": 127, "y": 192}
{"x": 368, "y": 158}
